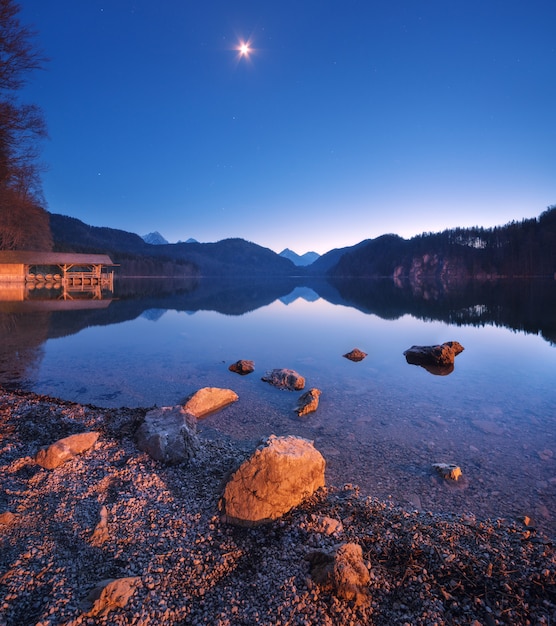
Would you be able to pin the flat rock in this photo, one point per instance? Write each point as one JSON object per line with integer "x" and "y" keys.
{"x": 438, "y": 355}
{"x": 355, "y": 355}
{"x": 284, "y": 379}
{"x": 308, "y": 402}
{"x": 242, "y": 367}
{"x": 65, "y": 449}
{"x": 209, "y": 400}
{"x": 168, "y": 434}
{"x": 280, "y": 474}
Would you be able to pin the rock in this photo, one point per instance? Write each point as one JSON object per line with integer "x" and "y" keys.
{"x": 209, "y": 400}
{"x": 355, "y": 355}
{"x": 439, "y": 355}
{"x": 100, "y": 534}
{"x": 327, "y": 525}
{"x": 280, "y": 474}
{"x": 308, "y": 402}
{"x": 65, "y": 449}
{"x": 111, "y": 594}
{"x": 343, "y": 571}
{"x": 7, "y": 517}
{"x": 242, "y": 367}
{"x": 168, "y": 434}
{"x": 285, "y": 379}
{"x": 449, "y": 471}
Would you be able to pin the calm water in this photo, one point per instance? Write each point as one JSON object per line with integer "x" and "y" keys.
{"x": 381, "y": 422}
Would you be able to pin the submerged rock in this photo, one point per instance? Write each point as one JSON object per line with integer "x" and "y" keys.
{"x": 308, "y": 402}
{"x": 65, "y": 449}
{"x": 168, "y": 435}
{"x": 280, "y": 474}
{"x": 438, "y": 355}
{"x": 285, "y": 379}
{"x": 209, "y": 400}
{"x": 242, "y": 367}
{"x": 355, "y": 355}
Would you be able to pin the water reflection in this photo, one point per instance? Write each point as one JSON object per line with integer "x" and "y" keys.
{"x": 30, "y": 317}
{"x": 381, "y": 422}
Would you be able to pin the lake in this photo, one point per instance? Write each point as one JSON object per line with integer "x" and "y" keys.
{"x": 381, "y": 422}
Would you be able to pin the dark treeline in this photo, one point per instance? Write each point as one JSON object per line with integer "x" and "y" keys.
{"x": 24, "y": 223}
{"x": 518, "y": 249}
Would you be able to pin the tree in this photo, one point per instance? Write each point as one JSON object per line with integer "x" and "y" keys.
{"x": 24, "y": 224}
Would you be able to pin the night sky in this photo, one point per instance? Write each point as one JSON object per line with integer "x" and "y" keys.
{"x": 346, "y": 120}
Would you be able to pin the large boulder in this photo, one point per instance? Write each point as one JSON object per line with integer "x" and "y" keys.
{"x": 280, "y": 474}
{"x": 209, "y": 400}
{"x": 168, "y": 434}
{"x": 443, "y": 354}
{"x": 65, "y": 449}
{"x": 284, "y": 379}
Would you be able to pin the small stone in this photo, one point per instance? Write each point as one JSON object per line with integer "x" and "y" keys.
{"x": 438, "y": 355}
{"x": 242, "y": 367}
{"x": 100, "y": 534}
{"x": 449, "y": 471}
{"x": 209, "y": 400}
{"x": 308, "y": 402}
{"x": 545, "y": 455}
{"x": 285, "y": 379}
{"x": 65, "y": 449}
{"x": 113, "y": 594}
{"x": 7, "y": 517}
{"x": 355, "y": 355}
{"x": 343, "y": 571}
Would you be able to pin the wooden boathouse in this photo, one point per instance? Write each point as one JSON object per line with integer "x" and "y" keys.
{"x": 64, "y": 269}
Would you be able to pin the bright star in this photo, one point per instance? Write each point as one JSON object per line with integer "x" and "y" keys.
{"x": 244, "y": 49}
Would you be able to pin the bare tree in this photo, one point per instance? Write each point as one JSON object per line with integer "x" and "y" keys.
{"x": 21, "y": 127}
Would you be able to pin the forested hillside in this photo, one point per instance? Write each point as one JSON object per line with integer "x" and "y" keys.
{"x": 518, "y": 249}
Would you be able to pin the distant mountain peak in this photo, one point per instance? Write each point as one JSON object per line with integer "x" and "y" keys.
{"x": 155, "y": 239}
{"x": 300, "y": 260}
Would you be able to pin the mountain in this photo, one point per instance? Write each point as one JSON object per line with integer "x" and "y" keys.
{"x": 327, "y": 261}
{"x": 155, "y": 239}
{"x": 229, "y": 257}
{"x": 190, "y": 240}
{"x": 296, "y": 259}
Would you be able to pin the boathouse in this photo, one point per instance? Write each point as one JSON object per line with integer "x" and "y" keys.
{"x": 66, "y": 269}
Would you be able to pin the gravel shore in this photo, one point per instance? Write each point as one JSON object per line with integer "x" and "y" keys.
{"x": 114, "y": 513}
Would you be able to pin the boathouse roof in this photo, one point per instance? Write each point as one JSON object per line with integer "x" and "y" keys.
{"x": 53, "y": 258}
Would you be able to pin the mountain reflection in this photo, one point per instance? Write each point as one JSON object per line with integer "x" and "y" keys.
{"x": 527, "y": 306}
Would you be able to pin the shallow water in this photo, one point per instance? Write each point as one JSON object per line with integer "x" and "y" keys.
{"x": 381, "y": 422}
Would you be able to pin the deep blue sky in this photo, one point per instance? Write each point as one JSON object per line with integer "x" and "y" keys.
{"x": 350, "y": 119}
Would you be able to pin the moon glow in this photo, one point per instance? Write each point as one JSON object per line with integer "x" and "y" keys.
{"x": 244, "y": 49}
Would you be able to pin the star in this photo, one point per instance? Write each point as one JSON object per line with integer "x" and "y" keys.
{"x": 244, "y": 49}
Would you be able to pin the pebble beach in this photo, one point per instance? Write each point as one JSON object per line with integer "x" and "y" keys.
{"x": 115, "y": 537}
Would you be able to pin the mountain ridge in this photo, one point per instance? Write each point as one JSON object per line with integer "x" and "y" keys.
{"x": 517, "y": 249}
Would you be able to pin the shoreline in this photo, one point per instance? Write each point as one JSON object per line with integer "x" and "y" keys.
{"x": 162, "y": 528}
